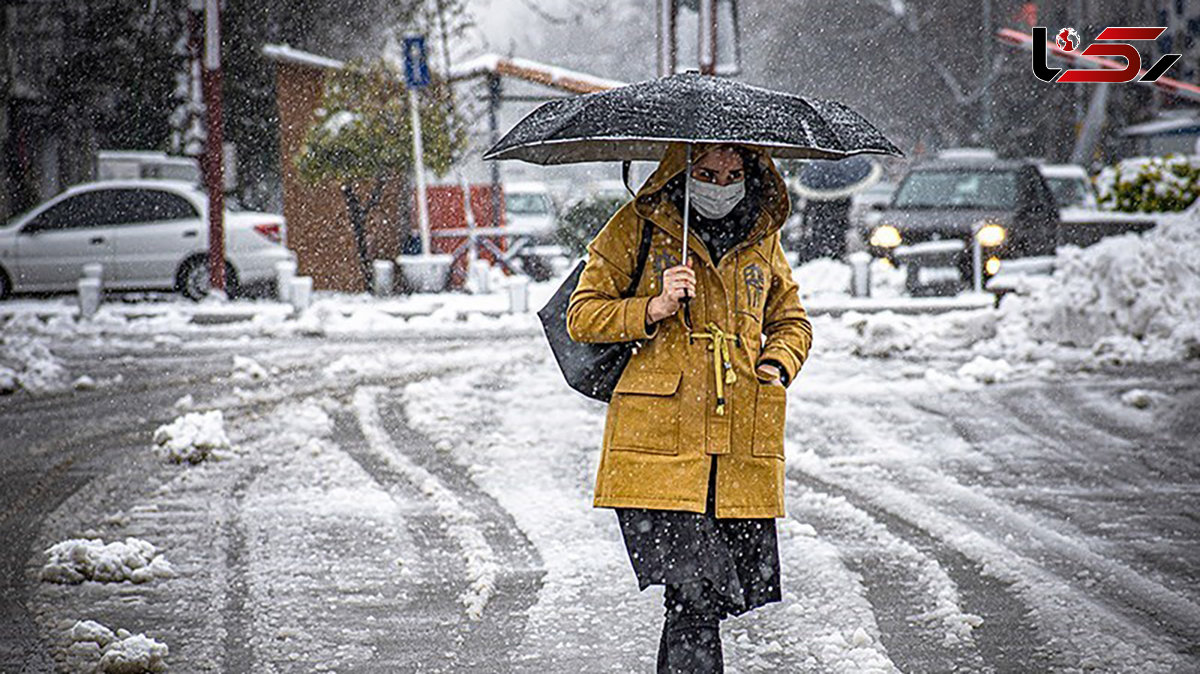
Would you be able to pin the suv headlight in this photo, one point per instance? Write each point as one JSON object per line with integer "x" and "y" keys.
{"x": 885, "y": 236}
{"x": 991, "y": 236}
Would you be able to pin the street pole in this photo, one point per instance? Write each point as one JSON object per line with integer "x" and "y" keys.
{"x": 493, "y": 84}
{"x": 706, "y": 19}
{"x": 985, "y": 101}
{"x": 419, "y": 166}
{"x": 213, "y": 168}
{"x": 666, "y": 37}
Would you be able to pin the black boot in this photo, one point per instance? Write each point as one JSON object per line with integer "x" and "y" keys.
{"x": 691, "y": 638}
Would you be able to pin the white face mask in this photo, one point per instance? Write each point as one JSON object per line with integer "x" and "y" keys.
{"x": 714, "y": 201}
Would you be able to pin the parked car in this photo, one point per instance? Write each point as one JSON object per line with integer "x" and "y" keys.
{"x": 943, "y": 205}
{"x": 147, "y": 234}
{"x": 529, "y": 211}
{"x": 531, "y": 223}
{"x": 1070, "y": 185}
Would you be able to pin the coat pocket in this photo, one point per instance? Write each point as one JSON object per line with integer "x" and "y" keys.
{"x": 770, "y": 410}
{"x": 646, "y": 418}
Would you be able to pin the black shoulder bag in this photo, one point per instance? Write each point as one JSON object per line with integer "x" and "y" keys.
{"x": 590, "y": 368}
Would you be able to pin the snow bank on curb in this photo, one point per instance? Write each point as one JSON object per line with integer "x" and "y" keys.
{"x": 119, "y": 653}
{"x": 1134, "y": 297}
{"x": 192, "y": 437}
{"x": 79, "y": 559}
{"x": 27, "y": 364}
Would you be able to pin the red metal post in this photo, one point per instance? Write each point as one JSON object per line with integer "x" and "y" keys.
{"x": 214, "y": 174}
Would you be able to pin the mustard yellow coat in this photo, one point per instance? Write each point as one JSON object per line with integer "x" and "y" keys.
{"x": 663, "y": 421}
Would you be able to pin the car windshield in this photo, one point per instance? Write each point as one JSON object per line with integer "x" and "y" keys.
{"x": 1068, "y": 191}
{"x": 958, "y": 189}
{"x": 526, "y": 204}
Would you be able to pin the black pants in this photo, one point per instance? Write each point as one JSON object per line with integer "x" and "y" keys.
{"x": 691, "y": 636}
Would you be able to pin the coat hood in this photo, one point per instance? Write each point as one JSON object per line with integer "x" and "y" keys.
{"x": 774, "y": 205}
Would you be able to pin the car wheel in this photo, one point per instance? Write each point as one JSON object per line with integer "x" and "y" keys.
{"x": 5, "y": 285}
{"x": 192, "y": 279}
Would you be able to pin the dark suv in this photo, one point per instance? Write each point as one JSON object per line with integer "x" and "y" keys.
{"x": 943, "y": 206}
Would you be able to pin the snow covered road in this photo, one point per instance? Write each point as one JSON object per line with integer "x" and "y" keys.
{"x": 423, "y": 504}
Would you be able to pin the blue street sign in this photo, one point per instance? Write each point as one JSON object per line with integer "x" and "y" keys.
{"x": 416, "y": 67}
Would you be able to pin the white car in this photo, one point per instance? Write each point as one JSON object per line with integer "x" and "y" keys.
{"x": 147, "y": 234}
{"x": 1070, "y": 185}
{"x": 529, "y": 211}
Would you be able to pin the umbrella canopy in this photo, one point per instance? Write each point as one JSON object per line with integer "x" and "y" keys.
{"x": 826, "y": 180}
{"x": 638, "y": 121}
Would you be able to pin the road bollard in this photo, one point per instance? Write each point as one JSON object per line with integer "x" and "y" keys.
{"x": 518, "y": 295}
{"x": 93, "y": 270}
{"x": 383, "y": 277}
{"x": 285, "y": 271}
{"x": 301, "y": 292}
{"x": 860, "y": 279}
{"x": 89, "y": 296}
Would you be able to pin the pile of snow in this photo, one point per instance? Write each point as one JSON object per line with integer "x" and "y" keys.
{"x": 79, "y": 559}
{"x": 192, "y": 437}
{"x": 887, "y": 334}
{"x": 826, "y": 277}
{"x": 247, "y": 370}
{"x": 119, "y": 653}
{"x": 1130, "y": 298}
{"x": 986, "y": 370}
{"x": 27, "y": 364}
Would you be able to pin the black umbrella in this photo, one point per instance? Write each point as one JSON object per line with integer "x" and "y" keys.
{"x": 827, "y": 180}
{"x": 638, "y": 122}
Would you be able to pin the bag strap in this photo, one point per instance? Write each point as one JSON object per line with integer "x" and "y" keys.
{"x": 643, "y": 253}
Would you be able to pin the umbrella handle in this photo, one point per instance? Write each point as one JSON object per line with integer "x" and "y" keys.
{"x": 687, "y": 209}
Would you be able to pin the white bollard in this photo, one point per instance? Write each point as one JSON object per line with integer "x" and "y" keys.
{"x": 384, "y": 277}
{"x": 301, "y": 292}
{"x": 860, "y": 278}
{"x": 518, "y": 295}
{"x": 89, "y": 296}
{"x": 93, "y": 270}
{"x": 285, "y": 271}
{"x": 479, "y": 277}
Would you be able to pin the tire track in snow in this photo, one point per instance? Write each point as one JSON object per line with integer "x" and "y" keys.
{"x": 463, "y": 525}
{"x": 916, "y": 608}
{"x": 1042, "y": 564}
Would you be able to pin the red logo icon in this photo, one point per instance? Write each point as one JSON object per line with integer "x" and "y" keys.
{"x": 1067, "y": 39}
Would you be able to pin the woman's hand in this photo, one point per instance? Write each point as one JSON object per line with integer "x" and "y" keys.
{"x": 678, "y": 282}
{"x": 770, "y": 374}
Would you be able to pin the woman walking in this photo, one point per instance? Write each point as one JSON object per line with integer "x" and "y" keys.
{"x": 693, "y": 459}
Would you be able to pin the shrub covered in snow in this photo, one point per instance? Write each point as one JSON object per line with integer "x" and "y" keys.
{"x": 79, "y": 559}
{"x": 119, "y": 653}
{"x": 1150, "y": 184}
{"x": 192, "y": 437}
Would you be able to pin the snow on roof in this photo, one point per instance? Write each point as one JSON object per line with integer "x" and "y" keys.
{"x": 525, "y": 186}
{"x": 287, "y": 54}
{"x": 1062, "y": 171}
{"x": 967, "y": 153}
{"x": 1180, "y": 124}
{"x": 153, "y": 183}
{"x": 532, "y": 71}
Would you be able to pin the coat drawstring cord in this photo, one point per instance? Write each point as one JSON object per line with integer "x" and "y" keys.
{"x": 722, "y": 365}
